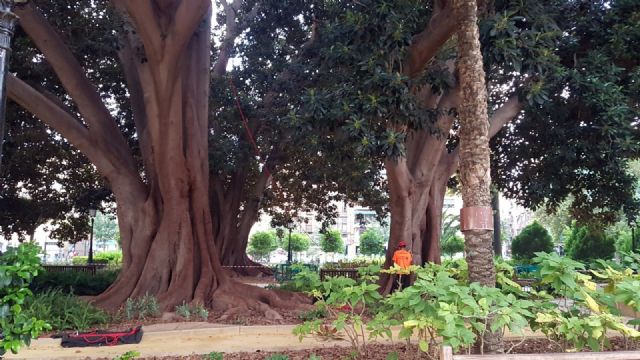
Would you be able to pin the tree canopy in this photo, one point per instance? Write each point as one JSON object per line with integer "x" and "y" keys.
{"x": 331, "y": 241}
{"x": 372, "y": 242}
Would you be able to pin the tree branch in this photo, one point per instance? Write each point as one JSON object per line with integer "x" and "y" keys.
{"x": 232, "y": 31}
{"x": 53, "y": 115}
{"x": 506, "y": 113}
{"x": 186, "y": 21}
{"x": 72, "y": 76}
{"x": 426, "y": 45}
{"x": 141, "y": 13}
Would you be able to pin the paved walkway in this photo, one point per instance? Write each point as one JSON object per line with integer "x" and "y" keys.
{"x": 176, "y": 339}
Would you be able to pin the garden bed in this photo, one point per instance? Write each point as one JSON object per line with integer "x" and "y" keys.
{"x": 381, "y": 352}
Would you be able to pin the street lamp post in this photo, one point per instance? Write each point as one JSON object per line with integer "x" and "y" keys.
{"x": 289, "y": 254}
{"x": 7, "y": 23}
{"x": 92, "y": 215}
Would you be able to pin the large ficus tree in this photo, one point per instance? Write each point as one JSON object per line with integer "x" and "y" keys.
{"x": 389, "y": 78}
{"x": 159, "y": 173}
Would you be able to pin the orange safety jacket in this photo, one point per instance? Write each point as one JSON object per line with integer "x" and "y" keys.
{"x": 402, "y": 258}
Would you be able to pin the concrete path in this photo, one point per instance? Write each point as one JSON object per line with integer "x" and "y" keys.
{"x": 176, "y": 339}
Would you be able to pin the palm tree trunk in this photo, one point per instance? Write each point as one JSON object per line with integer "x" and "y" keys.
{"x": 476, "y": 216}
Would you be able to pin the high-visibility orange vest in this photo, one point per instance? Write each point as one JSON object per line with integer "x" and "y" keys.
{"x": 402, "y": 258}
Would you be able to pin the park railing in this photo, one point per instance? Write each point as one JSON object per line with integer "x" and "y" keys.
{"x": 89, "y": 268}
{"x": 348, "y": 273}
{"x": 446, "y": 353}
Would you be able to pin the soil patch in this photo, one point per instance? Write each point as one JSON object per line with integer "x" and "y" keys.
{"x": 381, "y": 351}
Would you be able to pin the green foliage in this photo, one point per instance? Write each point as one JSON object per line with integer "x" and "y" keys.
{"x": 452, "y": 245}
{"x": 533, "y": 238}
{"x": 353, "y": 263}
{"x": 305, "y": 279}
{"x": 75, "y": 282}
{"x": 345, "y": 302}
{"x": 105, "y": 227}
{"x": 262, "y": 243}
{"x": 439, "y": 308}
{"x": 113, "y": 258}
{"x": 372, "y": 242}
{"x": 129, "y": 355}
{"x": 18, "y": 267}
{"x": 141, "y": 307}
{"x": 331, "y": 241}
{"x": 190, "y": 311}
{"x": 299, "y": 242}
{"x": 630, "y": 260}
{"x": 319, "y": 313}
{"x": 277, "y": 357}
{"x": 585, "y": 244}
{"x": 64, "y": 311}
{"x": 214, "y": 355}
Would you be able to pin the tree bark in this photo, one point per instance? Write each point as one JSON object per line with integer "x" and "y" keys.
{"x": 497, "y": 240}
{"x": 475, "y": 153}
{"x": 165, "y": 218}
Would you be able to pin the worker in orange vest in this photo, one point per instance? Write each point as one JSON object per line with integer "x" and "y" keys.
{"x": 403, "y": 259}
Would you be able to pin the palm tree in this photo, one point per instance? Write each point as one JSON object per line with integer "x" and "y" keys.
{"x": 474, "y": 155}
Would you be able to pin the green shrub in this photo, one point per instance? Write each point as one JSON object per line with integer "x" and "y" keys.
{"x": 189, "y": 311}
{"x": 18, "y": 267}
{"x": 110, "y": 258}
{"x": 262, "y": 243}
{"x": 277, "y": 357}
{"x": 141, "y": 307}
{"x": 65, "y": 311}
{"x": 78, "y": 283}
{"x": 129, "y": 355}
{"x": 586, "y": 244}
{"x": 533, "y": 238}
{"x": 214, "y": 355}
{"x": 331, "y": 241}
{"x": 452, "y": 245}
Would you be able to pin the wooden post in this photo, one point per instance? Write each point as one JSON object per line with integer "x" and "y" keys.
{"x": 446, "y": 353}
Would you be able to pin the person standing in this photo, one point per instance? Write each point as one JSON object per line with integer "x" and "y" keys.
{"x": 403, "y": 259}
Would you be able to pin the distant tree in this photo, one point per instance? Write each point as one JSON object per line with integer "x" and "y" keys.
{"x": 105, "y": 227}
{"x": 452, "y": 245}
{"x": 299, "y": 242}
{"x": 372, "y": 242}
{"x": 532, "y": 239}
{"x": 331, "y": 241}
{"x": 262, "y": 243}
{"x": 586, "y": 244}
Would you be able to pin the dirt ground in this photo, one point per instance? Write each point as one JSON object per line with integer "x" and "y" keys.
{"x": 381, "y": 352}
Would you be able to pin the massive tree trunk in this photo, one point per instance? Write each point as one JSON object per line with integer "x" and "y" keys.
{"x": 234, "y": 215}
{"x": 475, "y": 174}
{"x": 164, "y": 218}
{"x": 417, "y": 183}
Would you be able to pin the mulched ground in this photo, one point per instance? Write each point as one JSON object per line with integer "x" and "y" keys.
{"x": 380, "y": 352}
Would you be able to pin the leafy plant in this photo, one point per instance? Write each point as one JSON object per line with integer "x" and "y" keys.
{"x": 188, "y": 311}
{"x": 129, "y": 355}
{"x": 64, "y": 311}
{"x": 142, "y": 307}
{"x": 315, "y": 314}
{"x": 440, "y": 309}
{"x": 304, "y": 279}
{"x": 277, "y": 357}
{"x": 585, "y": 244}
{"x": 214, "y": 355}
{"x": 345, "y": 302}
{"x": 372, "y": 242}
{"x": 18, "y": 267}
{"x": 331, "y": 241}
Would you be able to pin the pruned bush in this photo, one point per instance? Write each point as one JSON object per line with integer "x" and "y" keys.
{"x": 77, "y": 283}
{"x": 533, "y": 238}
{"x": 586, "y": 244}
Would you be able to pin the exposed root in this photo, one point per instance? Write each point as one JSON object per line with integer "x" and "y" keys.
{"x": 236, "y": 298}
